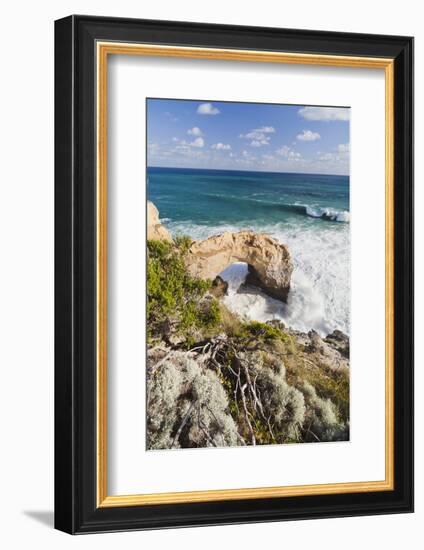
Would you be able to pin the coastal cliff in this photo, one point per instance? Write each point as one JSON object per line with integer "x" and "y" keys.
{"x": 216, "y": 379}
{"x": 155, "y": 230}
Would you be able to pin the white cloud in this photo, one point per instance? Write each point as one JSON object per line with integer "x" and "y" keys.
{"x": 336, "y": 161}
{"x": 221, "y": 146}
{"x": 247, "y": 156}
{"x": 247, "y": 159}
{"x": 288, "y": 153}
{"x": 343, "y": 148}
{"x": 259, "y": 133}
{"x": 207, "y": 109}
{"x": 198, "y": 142}
{"x": 184, "y": 145}
{"x": 266, "y": 130}
{"x": 339, "y": 157}
{"x": 259, "y": 136}
{"x": 154, "y": 151}
{"x": 195, "y": 131}
{"x": 293, "y": 155}
{"x": 324, "y": 113}
{"x": 259, "y": 143}
{"x": 332, "y": 157}
{"x": 170, "y": 116}
{"x": 308, "y": 135}
{"x": 283, "y": 151}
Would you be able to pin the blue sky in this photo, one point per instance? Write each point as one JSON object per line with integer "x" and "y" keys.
{"x": 247, "y": 136}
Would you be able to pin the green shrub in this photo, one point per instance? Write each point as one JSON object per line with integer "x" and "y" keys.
{"x": 329, "y": 384}
{"x": 209, "y": 315}
{"x": 230, "y": 322}
{"x": 174, "y": 297}
{"x": 183, "y": 243}
{"x": 324, "y": 422}
{"x": 262, "y": 331}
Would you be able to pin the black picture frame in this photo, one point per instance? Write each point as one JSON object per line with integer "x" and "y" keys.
{"x": 76, "y": 510}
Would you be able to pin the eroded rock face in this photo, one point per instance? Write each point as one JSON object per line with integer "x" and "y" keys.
{"x": 155, "y": 230}
{"x": 339, "y": 341}
{"x": 219, "y": 287}
{"x": 270, "y": 264}
{"x": 331, "y": 352}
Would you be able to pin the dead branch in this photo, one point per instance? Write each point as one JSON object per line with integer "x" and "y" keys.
{"x": 183, "y": 423}
{"x": 246, "y": 413}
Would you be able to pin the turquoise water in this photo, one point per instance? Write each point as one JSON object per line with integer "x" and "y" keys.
{"x": 216, "y": 197}
{"x": 309, "y": 213}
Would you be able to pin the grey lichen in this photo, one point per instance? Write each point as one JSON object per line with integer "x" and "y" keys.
{"x": 187, "y": 406}
{"x": 323, "y": 423}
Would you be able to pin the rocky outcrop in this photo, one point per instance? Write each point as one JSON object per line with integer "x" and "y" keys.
{"x": 219, "y": 287}
{"x": 269, "y": 262}
{"x": 339, "y": 341}
{"x": 331, "y": 353}
{"x": 155, "y": 230}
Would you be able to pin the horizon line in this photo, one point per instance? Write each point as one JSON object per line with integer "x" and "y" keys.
{"x": 241, "y": 170}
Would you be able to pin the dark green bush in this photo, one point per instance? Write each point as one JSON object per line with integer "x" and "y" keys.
{"x": 174, "y": 297}
{"x": 262, "y": 331}
{"x": 183, "y": 243}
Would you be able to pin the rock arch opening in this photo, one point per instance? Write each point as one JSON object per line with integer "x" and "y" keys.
{"x": 269, "y": 265}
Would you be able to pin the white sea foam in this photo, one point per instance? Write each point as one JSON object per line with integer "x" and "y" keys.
{"x": 247, "y": 301}
{"x": 319, "y": 298}
{"x": 328, "y": 213}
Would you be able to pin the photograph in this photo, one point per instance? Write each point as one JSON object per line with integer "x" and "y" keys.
{"x": 233, "y": 267}
{"x": 247, "y": 273}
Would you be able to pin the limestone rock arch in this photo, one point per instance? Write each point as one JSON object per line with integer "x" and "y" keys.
{"x": 269, "y": 262}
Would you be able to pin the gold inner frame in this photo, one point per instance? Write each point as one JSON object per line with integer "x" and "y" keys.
{"x": 104, "y": 49}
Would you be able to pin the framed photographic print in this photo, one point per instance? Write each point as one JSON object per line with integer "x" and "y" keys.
{"x": 234, "y": 256}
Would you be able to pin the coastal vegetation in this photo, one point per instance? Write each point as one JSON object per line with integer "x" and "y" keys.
{"x": 216, "y": 379}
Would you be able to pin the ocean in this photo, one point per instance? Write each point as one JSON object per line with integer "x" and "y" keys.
{"x": 307, "y": 212}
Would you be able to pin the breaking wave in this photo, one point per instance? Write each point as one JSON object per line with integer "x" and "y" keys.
{"x": 329, "y": 214}
{"x": 325, "y": 213}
